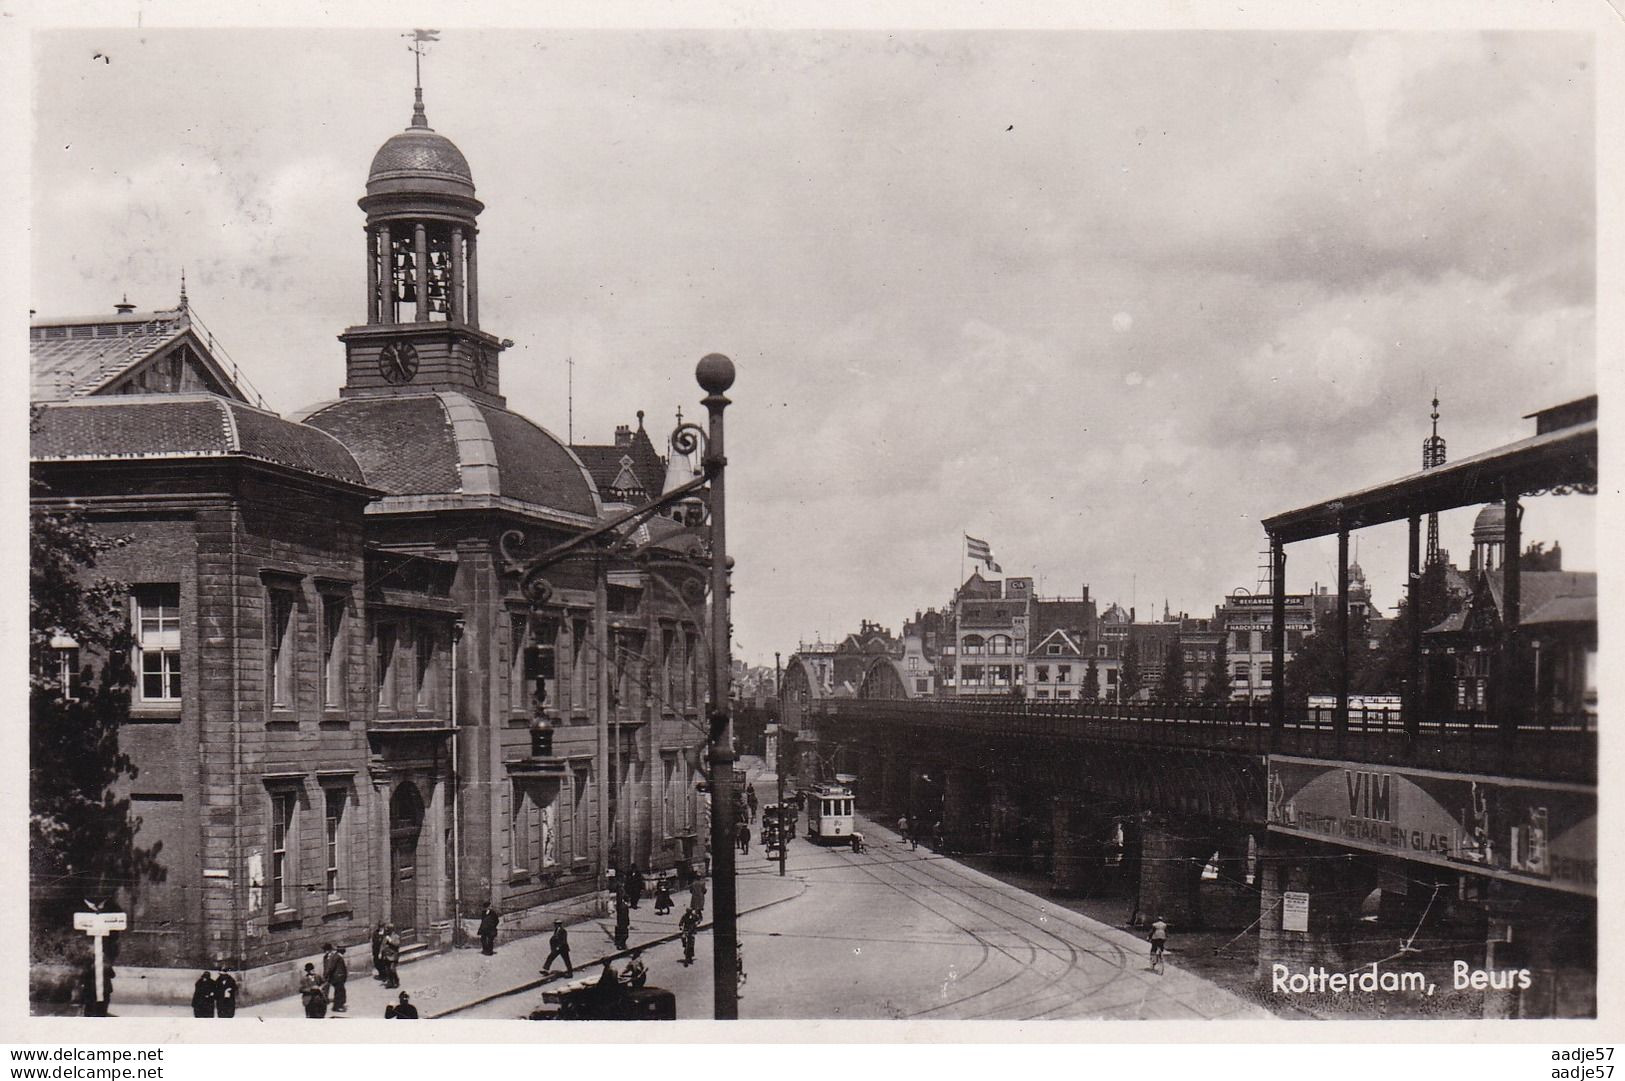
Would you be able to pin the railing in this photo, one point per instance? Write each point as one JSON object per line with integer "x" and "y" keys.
{"x": 1562, "y": 748}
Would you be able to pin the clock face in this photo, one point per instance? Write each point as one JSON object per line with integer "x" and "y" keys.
{"x": 398, "y": 362}
{"x": 482, "y": 366}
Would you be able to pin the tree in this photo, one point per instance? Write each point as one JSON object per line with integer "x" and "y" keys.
{"x": 1315, "y": 667}
{"x": 1172, "y": 686}
{"x": 1390, "y": 667}
{"x": 1217, "y": 687}
{"x": 1091, "y": 682}
{"x": 1129, "y": 679}
{"x": 81, "y": 834}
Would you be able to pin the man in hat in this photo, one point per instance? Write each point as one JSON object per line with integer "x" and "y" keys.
{"x": 225, "y": 993}
{"x": 488, "y": 930}
{"x": 402, "y": 1010}
{"x": 311, "y": 992}
{"x": 334, "y": 973}
{"x": 558, "y": 945}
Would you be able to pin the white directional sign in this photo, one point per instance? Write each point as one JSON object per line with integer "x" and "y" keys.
{"x": 100, "y": 923}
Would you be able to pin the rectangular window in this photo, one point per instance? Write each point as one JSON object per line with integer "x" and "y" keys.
{"x": 1100, "y": 651}
{"x": 1111, "y": 677}
{"x": 1042, "y": 694}
{"x": 1043, "y": 673}
{"x": 521, "y": 837}
{"x": 518, "y": 639}
{"x": 157, "y": 620}
{"x": 1243, "y": 673}
{"x": 578, "y": 667}
{"x": 668, "y": 793}
{"x": 384, "y": 672}
{"x": 334, "y": 837}
{"x": 580, "y": 814}
{"x": 970, "y": 675}
{"x": 62, "y": 667}
{"x": 333, "y": 652}
{"x": 282, "y": 849}
{"x": 696, "y": 697}
{"x": 1063, "y": 673}
{"x": 428, "y": 669}
{"x": 1063, "y": 693}
{"x": 1266, "y": 672}
{"x": 279, "y": 631}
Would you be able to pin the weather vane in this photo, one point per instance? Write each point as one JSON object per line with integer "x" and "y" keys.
{"x": 420, "y": 38}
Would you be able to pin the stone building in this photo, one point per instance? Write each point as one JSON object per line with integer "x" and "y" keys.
{"x": 346, "y": 711}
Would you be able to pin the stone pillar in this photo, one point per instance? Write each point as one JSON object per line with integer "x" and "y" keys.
{"x": 454, "y": 307}
{"x": 1077, "y": 847}
{"x": 385, "y": 300}
{"x": 374, "y": 315}
{"x": 1171, "y": 872}
{"x": 420, "y": 270}
{"x": 473, "y": 283}
{"x": 1004, "y": 824}
{"x": 964, "y": 827}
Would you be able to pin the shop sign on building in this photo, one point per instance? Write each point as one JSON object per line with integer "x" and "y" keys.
{"x": 1537, "y": 832}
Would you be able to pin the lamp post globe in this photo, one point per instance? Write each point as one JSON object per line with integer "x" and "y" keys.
{"x": 715, "y": 373}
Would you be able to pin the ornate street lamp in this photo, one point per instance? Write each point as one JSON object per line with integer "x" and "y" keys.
{"x": 616, "y": 537}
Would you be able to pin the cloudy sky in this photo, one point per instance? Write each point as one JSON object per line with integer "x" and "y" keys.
{"x": 1105, "y": 299}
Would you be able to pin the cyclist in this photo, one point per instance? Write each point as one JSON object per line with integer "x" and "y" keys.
{"x": 1159, "y": 940}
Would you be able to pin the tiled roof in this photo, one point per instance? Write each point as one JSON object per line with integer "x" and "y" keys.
{"x": 403, "y": 444}
{"x": 603, "y": 462}
{"x": 1072, "y": 616}
{"x": 70, "y": 357}
{"x": 184, "y": 426}
{"x": 444, "y": 443}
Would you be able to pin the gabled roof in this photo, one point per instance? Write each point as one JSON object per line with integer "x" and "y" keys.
{"x": 1546, "y": 598}
{"x": 1077, "y": 617}
{"x": 632, "y": 468}
{"x": 77, "y": 356}
{"x": 1041, "y": 646}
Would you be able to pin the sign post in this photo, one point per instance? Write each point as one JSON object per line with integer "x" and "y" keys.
{"x": 98, "y": 925}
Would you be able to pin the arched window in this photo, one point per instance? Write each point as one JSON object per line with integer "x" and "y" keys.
{"x": 973, "y": 643}
{"x": 999, "y": 645}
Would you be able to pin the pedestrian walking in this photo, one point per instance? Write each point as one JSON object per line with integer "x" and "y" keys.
{"x": 634, "y": 886}
{"x": 488, "y": 930}
{"x": 312, "y": 993}
{"x": 623, "y": 921}
{"x": 662, "y": 896}
{"x": 225, "y": 994}
{"x": 377, "y": 950}
{"x": 389, "y": 955}
{"x": 401, "y": 1010}
{"x": 558, "y": 945}
{"x": 902, "y": 827}
{"x": 744, "y": 838}
{"x": 856, "y": 839}
{"x": 696, "y": 897}
{"x": 750, "y": 798}
{"x": 687, "y": 927}
{"x": 203, "y": 996}
{"x": 334, "y": 973}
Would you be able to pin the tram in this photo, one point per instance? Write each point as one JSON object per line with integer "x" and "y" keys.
{"x": 829, "y": 813}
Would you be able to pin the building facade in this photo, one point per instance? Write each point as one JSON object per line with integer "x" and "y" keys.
{"x": 345, "y": 708}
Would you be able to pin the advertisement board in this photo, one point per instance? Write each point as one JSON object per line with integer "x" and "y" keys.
{"x": 1541, "y": 833}
{"x": 1294, "y": 911}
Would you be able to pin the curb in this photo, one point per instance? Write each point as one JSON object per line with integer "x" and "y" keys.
{"x": 531, "y": 985}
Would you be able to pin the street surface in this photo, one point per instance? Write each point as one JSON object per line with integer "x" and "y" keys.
{"x": 895, "y": 934}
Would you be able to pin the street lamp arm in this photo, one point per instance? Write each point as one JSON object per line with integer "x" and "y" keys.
{"x": 512, "y": 541}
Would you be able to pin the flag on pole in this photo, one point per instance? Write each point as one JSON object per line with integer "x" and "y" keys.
{"x": 981, "y": 551}
{"x": 425, "y": 35}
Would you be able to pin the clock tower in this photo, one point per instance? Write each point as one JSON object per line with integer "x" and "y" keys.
{"x": 422, "y": 329}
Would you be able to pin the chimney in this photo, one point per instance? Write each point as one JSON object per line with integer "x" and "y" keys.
{"x": 623, "y": 436}
{"x": 124, "y": 307}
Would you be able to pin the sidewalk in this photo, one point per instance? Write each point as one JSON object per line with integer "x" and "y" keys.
{"x": 454, "y": 980}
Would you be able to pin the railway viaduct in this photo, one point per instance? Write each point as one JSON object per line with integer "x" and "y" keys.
{"x": 1419, "y": 838}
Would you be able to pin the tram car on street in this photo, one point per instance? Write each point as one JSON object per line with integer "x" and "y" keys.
{"x": 829, "y": 813}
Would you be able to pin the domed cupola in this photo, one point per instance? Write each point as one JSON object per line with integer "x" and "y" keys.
{"x": 422, "y": 329}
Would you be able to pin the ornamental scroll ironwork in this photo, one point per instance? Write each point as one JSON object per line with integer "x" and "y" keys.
{"x": 616, "y": 537}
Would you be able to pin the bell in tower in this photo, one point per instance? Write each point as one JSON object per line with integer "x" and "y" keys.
{"x": 422, "y": 328}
